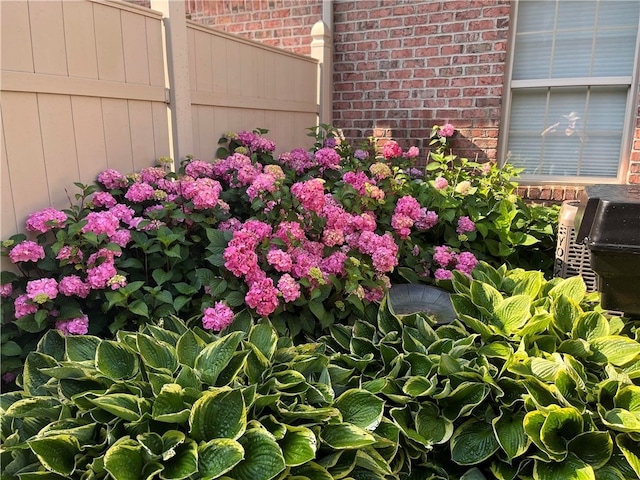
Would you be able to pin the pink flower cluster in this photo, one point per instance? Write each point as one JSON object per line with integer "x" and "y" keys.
{"x": 218, "y": 317}
{"x": 310, "y": 194}
{"x": 446, "y": 131}
{"x": 465, "y": 225}
{"x": 328, "y": 158}
{"x": 255, "y": 142}
{"x": 26, "y": 251}
{"x": 74, "y": 326}
{"x": 46, "y": 219}
{"x": 409, "y": 213}
{"x": 391, "y": 150}
{"x": 298, "y": 159}
{"x": 448, "y": 260}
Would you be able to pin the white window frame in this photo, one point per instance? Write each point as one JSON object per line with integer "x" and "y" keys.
{"x": 632, "y": 82}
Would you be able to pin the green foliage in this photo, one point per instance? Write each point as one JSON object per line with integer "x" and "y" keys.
{"x": 533, "y": 381}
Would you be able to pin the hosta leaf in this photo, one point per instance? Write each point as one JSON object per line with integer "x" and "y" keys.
{"x": 405, "y": 421}
{"x": 590, "y": 325}
{"x": 218, "y": 414}
{"x": 529, "y": 284}
{"x": 263, "y": 458}
{"x": 116, "y": 361}
{"x": 572, "y": 468}
{"x": 33, "y": 379}
{"x": 544, "y": 369}
{"x": 52, "y": 344}
{"x": 387, "y": 321}
{"x": 169, "y": 405}
{"x": 264, "y": 338}
{"x": 513, "y": 312}
{"x": 560, "y": 426}
{"x": 369, "y": 459}
{"x": 215, "y": 356}
{"x": 345, "y": 436}
{"x": 312, "y": 470}
{"x": 183, "y": 464}
{"x": 218, "y": 456}
{"x": 156, "y": 354}
{"x": 189, "y": 347}
{"x": 485, "y": 296}
{"x": 418, "y": 385}
{"x": 121, "y": 405}
{"x": 628, "y": 397}
{"x": 56, "y": 452}
{"x": 631, "y": 451}
{"x": 124, "y": 460}
{"x": 431, "y": 425}
{"x": 473, "y": 442}
{"x": 152, "y": 443}
{"x": 41, "y": 407}
{"x": 565, "y": 313}
{"x": 574, "y": 288}
{"x": 622, "y": 420}
{"x": 463, "y": 399}
{"x": 614, "y": 349}
{"x": 361, "y": 408}
{"x": 298, "y": 446}
{"x": 594, "y": 448}
{"x": 509, "y": 430}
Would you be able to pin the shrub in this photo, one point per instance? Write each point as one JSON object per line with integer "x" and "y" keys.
{"x": 307, "y": 239}
{"x": 532, "y": 381}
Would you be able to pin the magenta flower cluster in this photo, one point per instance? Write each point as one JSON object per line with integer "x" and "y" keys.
{"x": 447, "y": 260}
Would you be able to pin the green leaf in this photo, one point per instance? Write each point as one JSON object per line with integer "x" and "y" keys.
{"x": 361, "y": 408}
{"x": 589, "y": 326}
{"x": 139, "y": 307}
{"x": 35, "y": 407}
{"x": 561, "y": 425}
{"x": 573, "y": 288}
{"x": 565, "y": 313}
{"x": 263, "y": 457}
{"x": 56, "y": 452}
{"x": 116, "y": 361}
{"x": 81, "y": 348}
{"x": 122, "y": 405}
{"x": 513, "y": 312}
{"x": 160, "y": 276}
{"x": 218, "y": 414}
{"x": 124, "y": 460}
{"x": 169, "y": 405}
{"x": 509, "y": 430}
{"x": 34, "y": 380}
{"x": 614, "y": 349}
{"x": 218, "y": 456}
{"x": 345, "y": 436}
{"x": 264, "y": 338}
{"x": 189, "y": 347}
{"x": 431, "y": 425}
{"x": 298, "y": 445}
{"x": 157, "y": 354}
{"x": 631, "y": 451}
{"x": 572, "y": 468}
{"x": 473, "y": 442}
{"x": 594, "y": 448}
{"x": 183, "y": 464}
{"x": 485, "y": 296}
{"x": 11, "y": 349}
{"x": 215, "y": 356}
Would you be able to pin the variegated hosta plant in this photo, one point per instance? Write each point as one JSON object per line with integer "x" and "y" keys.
{"x": 533, "y": 381}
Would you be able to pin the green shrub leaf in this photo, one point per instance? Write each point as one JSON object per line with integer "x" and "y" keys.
{"x": 169, "y": 405}
{"x": 35, "y": 407}
{"x": 561, "y": 425}
{"x": 485, "y": 296}
{"x": 56, "y": 452}
{"x": 590, "y": 325}
{"x": 513, "y": 312}
{"x": 263, "y": 457}
{"x": 183, "y": 464}
{"x": 509, "y": 430}
{"x": 81, "y": 348}
{"x": 572, "y": 468}
{"x": 594, "y": 448}
{"x": 34, "y": 380}
{"x": 122, "y": 405}
{"x": 473, "y": 442}
{"x": 574, "y": 288}
{"x": 614, "y": 349}
{"x": 189, "y": 347}
{"x": 218, "y": 414}
{"x": 298, "y": 446}
{"x": 124, "y": 460}
{"x": 631, "y": 450}
{"x": 218, "y": 456}
{"x": 431, "y": 425}
{"x": 157, "y": 354}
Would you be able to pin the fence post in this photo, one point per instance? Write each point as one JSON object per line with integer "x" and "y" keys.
{"x": 321, "y": 50}
{"x": 177, "y": 76}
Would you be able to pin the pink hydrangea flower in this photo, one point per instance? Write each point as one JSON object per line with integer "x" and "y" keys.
{"x": 46, "y": 219}
{"x": 8, "y": 377}
{"x": 73, "y": 285}
{"x": 6, "y": 289}
{"x": 121, "y": 237}
{"x": 74, "y": 326}
{"x": 440, "y": 183}
{"x": 466, "y": 262}
{"x": 122, "y": 213}
{"x": 465, "y": 224}
{"x": 391, "y": 149}
{"x": 218, "y": 317}
{"x": 358, "y": 180}
{"x": 98, "y": 277}
{"x": 298, "y": 159}
{"x": 233, "y": 225}
{"x": 463, "y": 187}
{"x": 413, "y": 152}
{"x": 26, "y": 251}
{"x": 290, "y": 233}
{"x": 279, "y": 260}
{"x": 263, "y": 296}
{"x": 152, "y": 174}
{"x": 42, "y": 290}
{"x": 103, "y": 199}
{"x": 446, "y": 131}
{"x": 112, "y": 179}
{"x": 139, "y": 192}
{"x": 263, "y": 182}
{"x": 427, "y": 220}
{"x": 23, "y": 306}
{"x": 444, "y": 256}
{"x": 334, "y": 264}
{"x": 442, "y": 274}
{"x": 328, "y": 158}
{"x": 101, "y": 222}
{"x": 310, "y": 194}
{"x": 289, "y": 288}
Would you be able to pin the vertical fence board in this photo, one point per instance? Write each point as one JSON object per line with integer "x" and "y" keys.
{"x": 208, "y": 137}
{"x": 58, "y": 145}
{"x": 24, "y": 150}
{"x": 49, "y": 53}
{"x": 80, "y": 39}
{"x": 153, "y": 31}
{"x": 109, "y": 43}
{"x": 134, "y": 40}
{"x": 117, "y": 134}
{"x": 203, "y": 66}
{"x": 15, "y": 37}
{"x": 219, "y": 59}
{"x": 161, "y": 139}
{"x": 141, "y": 121}
{"x": 234, "y": 82}
{"x": 90, "y": 143}
{"x": 8, "y": 224}
{"x": 191, "y": 46}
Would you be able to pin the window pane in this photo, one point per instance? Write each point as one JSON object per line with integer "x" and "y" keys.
{"x": 614, "y": 52}
{"x": 573, "y": 131}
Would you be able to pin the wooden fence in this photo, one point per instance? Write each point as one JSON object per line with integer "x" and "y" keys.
{"x": 87, "y": 85}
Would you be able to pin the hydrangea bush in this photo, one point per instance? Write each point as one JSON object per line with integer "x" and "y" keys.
{"x": 306, "y": 238}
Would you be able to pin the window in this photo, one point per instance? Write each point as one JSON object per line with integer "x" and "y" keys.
{"x": 572, "y": 89}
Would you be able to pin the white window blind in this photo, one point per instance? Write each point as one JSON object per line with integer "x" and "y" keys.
{"x": 572, "y": 70}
